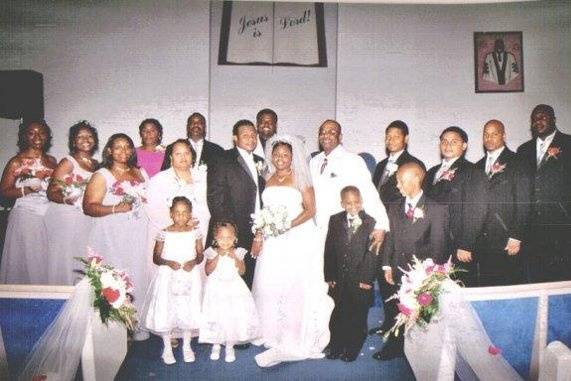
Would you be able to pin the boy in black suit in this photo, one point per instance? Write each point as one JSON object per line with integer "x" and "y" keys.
{"x": 350, "y": 273}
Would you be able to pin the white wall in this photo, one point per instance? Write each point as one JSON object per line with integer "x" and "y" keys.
{"x": 301, "y": 96}
{"x": 112, "y": 63}
{"x": 416, "y": 63}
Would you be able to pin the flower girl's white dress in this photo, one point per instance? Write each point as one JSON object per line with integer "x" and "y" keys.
{"x": 173, "y": 302}
{"x": 228, "y": 311}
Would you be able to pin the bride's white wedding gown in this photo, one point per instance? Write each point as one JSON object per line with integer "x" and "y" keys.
{"x": 289, "y": 288}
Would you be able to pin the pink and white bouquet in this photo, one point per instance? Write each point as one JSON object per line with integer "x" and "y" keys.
{"x": 271, "y": 221}
{"x": 418, "y": 296}
{"x": 32, "y": 173}
{"x": 132, "y": 192}
{"x": 111, "y": 290}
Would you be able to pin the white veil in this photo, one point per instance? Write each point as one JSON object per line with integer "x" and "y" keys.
{"x": 299, "y": 162}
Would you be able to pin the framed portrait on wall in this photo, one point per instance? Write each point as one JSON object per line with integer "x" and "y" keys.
{"x": 498, "y": 62}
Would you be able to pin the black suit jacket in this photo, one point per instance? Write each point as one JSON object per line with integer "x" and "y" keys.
{"x": 465, "y": 196}
{"x": 425, "y": 237}
{"x": 211, "y": 152}
{"x": 348, "y": 260}
{"x": 550, "y": 184}
{"x": 508, "y": 202}
{"x": 388, "y": 191}
{"x": 232, "y": 193}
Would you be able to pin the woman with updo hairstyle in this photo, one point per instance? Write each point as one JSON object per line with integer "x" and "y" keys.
{"x": 25, "y": 180}
{"x": 115, "y": 196}
{"x": 67, "y": 226}
{"x": 151, "y": 153}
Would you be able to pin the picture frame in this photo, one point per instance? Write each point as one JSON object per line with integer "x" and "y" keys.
{"x": 498, "y": 62}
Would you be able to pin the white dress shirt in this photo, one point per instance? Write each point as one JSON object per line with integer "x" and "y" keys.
{"x": 343, "y": 168}
{"x": 412, "y": 201}
{"x": 492, "y": 157}
{"x": 197, "y": 146}
{"x": 249, "y": 159}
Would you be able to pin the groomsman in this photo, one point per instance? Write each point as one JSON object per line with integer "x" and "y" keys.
{"x": 267, "y": 126}
{"x": 335, "y": 168}
{"x": 498, "y": 247}
{"x": 384, "y": 179}
{"x": 206, "y": 152}
{"x": 418, "y": 227}
{"x": 457, "y": 183}
{"x": 235, "y": 185}
{"x": 547, "y": 160}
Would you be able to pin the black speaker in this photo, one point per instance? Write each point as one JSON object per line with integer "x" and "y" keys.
{"x": 21, "y": 95}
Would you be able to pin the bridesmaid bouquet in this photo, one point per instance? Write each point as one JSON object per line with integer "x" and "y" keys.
{"x": 32, "y": 173}
{"x": 271, "y": 221}
{"x": 132, "y": 192}
{"x": 72, "y": 186}
{"x": 418, "y": 295}
{"x": 111, "y": 290}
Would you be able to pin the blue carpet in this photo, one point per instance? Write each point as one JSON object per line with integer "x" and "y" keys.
{"x": 559, "y": 317}
{"x": 23, "y": 321}
{"x": 143, "y": 362}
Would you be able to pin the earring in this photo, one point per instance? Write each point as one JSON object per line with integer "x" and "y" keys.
{"x": 214, "y": 243}
{"x": 235, "y": 241}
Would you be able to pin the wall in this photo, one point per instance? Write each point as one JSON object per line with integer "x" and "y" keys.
{"x": 113, "y": 63}
{"x": 416, "y": 63}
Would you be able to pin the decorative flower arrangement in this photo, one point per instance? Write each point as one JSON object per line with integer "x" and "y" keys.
{"x": 418, "y": 295}
{"x": 448, "y": 175}
{"x": 356, "y": 221}
{"x": 33, "y": 173}
{"x": 497, "y": 168}
{"x": 111, "y": 289}
{"x": 271, "y": 221}
{"x": 72, "y": 186}
{"x": 553, "y": 152}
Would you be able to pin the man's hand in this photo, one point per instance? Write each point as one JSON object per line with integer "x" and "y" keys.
{"x": 513, "y": 246}
{"x": 377, "y": 236}
{"x": 389, "y": 277}
{"x": 331, "y": 284}
{"x": 464, "y": 255}
{"x": 365, "y": 286}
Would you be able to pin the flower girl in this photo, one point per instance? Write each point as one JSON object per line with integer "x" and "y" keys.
{"x": 228, "y": 312}
{"x": 173, "y": 303}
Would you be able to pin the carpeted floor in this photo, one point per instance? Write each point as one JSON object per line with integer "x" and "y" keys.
{"x": 143, "y": 362}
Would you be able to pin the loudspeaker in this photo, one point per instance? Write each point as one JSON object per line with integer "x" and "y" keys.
{"x": 21, "y": 95}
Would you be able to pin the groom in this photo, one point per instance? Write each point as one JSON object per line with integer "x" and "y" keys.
{"x": 235, "y": 186}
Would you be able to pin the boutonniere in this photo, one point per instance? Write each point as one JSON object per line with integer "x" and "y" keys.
{"x": 392, "y": 167}
{"x": 260, "y": 166}
{"x": 355, "y": 223}
{"x": 553, "y": 152}
{"x": 202, "y": 167}
{"x": 418, "y": 214}
{"x": 497, "y": 168}
{"x": 448, "y": 175}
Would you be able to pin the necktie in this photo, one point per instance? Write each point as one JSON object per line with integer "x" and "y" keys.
{"x": 409, "y": 211}
{"x": 323, "y": 166}
{"x": 489, "y": 165}
{"x": 540, "y": 152}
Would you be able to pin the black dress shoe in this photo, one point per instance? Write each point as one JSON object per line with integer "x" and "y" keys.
{"x": 388, "y": 352}
{"x": 349, "y": 357}
{"x": 242, "y": 346}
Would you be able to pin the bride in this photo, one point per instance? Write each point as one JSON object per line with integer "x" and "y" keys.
{"x": 289, "y": 287}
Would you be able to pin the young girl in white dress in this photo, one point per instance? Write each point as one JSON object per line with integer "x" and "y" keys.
{"x": 228, "y": 312}
{"x": 173, "y": 302}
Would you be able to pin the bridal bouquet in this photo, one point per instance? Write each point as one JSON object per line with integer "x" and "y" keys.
{"x": 271, "y": 221}
{"x": 111, "y": 288}
{"x": 72, "y": 186}
{"x": 419, "y": 293}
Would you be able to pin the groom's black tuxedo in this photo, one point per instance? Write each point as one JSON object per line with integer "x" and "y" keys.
{"x": 232, "y": 196}
{"x": 506, "y": 217}
{"x": 550, "y": 216}
{"x": 349, "y": 262}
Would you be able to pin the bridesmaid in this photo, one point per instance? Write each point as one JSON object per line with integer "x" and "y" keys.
{"x": 114, "y": 197}
{"x": 25, "y": 179}
{"x": 66, "y": 226}
{"x": 151, "y": 153}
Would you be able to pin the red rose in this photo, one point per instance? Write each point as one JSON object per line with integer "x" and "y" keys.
{"x": 424, "y": 299}
{"x": 110, "y": 294}
{"x": 493, "y": 350}
{"x": 78, "y": 178}
{"x": 68, "y": 180}
{"x": 404, "y": 309}
{"x": 119, "y": 191}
